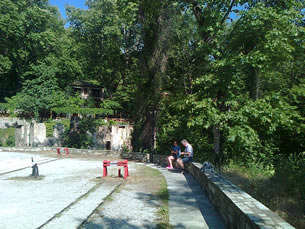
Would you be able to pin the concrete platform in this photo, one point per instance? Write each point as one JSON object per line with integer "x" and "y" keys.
{"x": 189, "y": 207}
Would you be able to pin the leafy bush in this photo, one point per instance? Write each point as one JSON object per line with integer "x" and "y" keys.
{"x": 291, "y": 170}
{"x": 51, "y": 123}
{"x": 7, "y": 137}
{"x": 82, "y": 138}
{"x": 10, "y": 141}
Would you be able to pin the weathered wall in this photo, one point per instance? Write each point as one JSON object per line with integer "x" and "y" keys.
{"x": 106, "y": 153}
{"x": 7, "y": 122}
{"x": 113, "y": 137}
{"x": 238, "y": 209}
{"x": 30, "y": 134}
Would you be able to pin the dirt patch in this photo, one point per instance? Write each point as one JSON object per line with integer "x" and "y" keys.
{"x": 28, "y": 178}
{"x": 140, "y": 202}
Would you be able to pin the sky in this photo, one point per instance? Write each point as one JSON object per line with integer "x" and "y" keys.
{"x": 81, "y": 4}
{"x": 62, "y": 3}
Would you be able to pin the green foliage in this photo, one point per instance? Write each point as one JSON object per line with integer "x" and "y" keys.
{"x": 177, "y": 68}
{"x": 82, "y": 138}
{"x": 7, "y": 137}
{"x": 10, "y": 141}
{"x": 38, "y": 95}
{"x": 51, "y": 123}
{"x": 291, "y": 170}
{"x": 83, "y": 111}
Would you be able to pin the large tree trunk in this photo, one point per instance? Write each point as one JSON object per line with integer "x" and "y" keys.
{"x": 153, "y": 62}
{"x": 216, "y": 143}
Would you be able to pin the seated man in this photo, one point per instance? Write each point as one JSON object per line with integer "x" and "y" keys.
{"x": 174, "y": 155}
{"x": 188, "y": 154}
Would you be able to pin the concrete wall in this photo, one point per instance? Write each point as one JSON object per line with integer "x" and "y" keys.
{"x": 106, "y": 153}
{"x": 113, "y": 137}
{"x": 30, "y": 134}
{"x": 238, "y": 209}
{"x": 7, "y": 122}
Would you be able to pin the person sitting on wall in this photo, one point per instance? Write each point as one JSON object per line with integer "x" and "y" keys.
{"x": 175, "y": 152}
{"x": 188, "y": 155}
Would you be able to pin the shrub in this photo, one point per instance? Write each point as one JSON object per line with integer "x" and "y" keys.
{"x": 10, "y": 141}
{"x": 291, "y": 170}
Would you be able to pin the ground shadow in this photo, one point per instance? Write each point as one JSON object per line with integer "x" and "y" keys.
{"x": 113, "y": 223}
{"x": 207, "y": 209}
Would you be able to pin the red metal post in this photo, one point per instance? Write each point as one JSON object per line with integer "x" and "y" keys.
{"x": 105, "y": 164}
{"x": 67, "y": 151}
{"x": 126, "y": 168}
{"x": 119, "y": 172}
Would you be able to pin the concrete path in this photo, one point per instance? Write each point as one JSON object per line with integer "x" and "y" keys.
{"x": 189, "y": 207}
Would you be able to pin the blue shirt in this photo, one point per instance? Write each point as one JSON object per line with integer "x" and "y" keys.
{"x": 176, "y": 149}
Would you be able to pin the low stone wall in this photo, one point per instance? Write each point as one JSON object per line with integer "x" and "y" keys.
{"x": 238, "y": 209}
{"x": 107, "y": 153}
{"x": 146, "y": 157}
{"x": 136, "y": 156}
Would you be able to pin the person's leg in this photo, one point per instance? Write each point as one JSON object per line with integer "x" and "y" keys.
{"x": 180, "y": 163}
{"x": 170, "y": 158}
{"x": 185, "y": 160}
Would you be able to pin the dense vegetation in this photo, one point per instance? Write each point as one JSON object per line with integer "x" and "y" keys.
{"x": 227, "y": 75}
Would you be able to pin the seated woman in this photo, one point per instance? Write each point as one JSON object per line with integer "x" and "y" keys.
{"x": 174, "y": 155}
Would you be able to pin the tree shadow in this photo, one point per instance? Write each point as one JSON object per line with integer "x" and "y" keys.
{"x": 207, "y": 209}
{"x": 115, "y": 223}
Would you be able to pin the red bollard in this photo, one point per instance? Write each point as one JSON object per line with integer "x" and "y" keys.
{"x": 58, "y": 151}
{"x": 125, "y": 164}
{"x": 126, "y": 173}
{"x": 67, "y": 151}
{"x": 105, "y": 164}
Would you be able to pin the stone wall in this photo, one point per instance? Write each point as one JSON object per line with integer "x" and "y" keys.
{"x": 106, "y": 153}
{"x": 7, "y": 122}
{"x": 30, "y": 134}
{"x": 114, "y": 137}
{"x": 238, "y": 209}
{"x": 136, "y": 156}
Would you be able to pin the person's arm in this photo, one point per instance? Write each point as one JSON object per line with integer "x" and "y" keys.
{"x": 173, "y": 151}
{"x": 185, "y": 153}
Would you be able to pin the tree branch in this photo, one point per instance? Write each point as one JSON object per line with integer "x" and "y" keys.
{"x": 228, "y": 12}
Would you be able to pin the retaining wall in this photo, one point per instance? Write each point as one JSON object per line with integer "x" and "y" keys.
{"x": 145, "y": 157}
{"x": 238, "y": 209}
{"x": 106, "y": 153}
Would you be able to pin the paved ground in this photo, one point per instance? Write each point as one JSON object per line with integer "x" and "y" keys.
{"x": 189, "y": 207}
{"x": 64, "y": 184}
{"x": 133, "y": 206}
{"x": 69, "y": 193}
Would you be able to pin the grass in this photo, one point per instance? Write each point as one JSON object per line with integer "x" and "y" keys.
{"x": 163, "y": 212}
{"x": 5, "y": 134}
{"x": 51, "y": 123}
{"x": 149, "y": 182}
{"x": 156, "y": 184}
{"x": 27, "y": 178}
{"x": 262, "y": 185}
